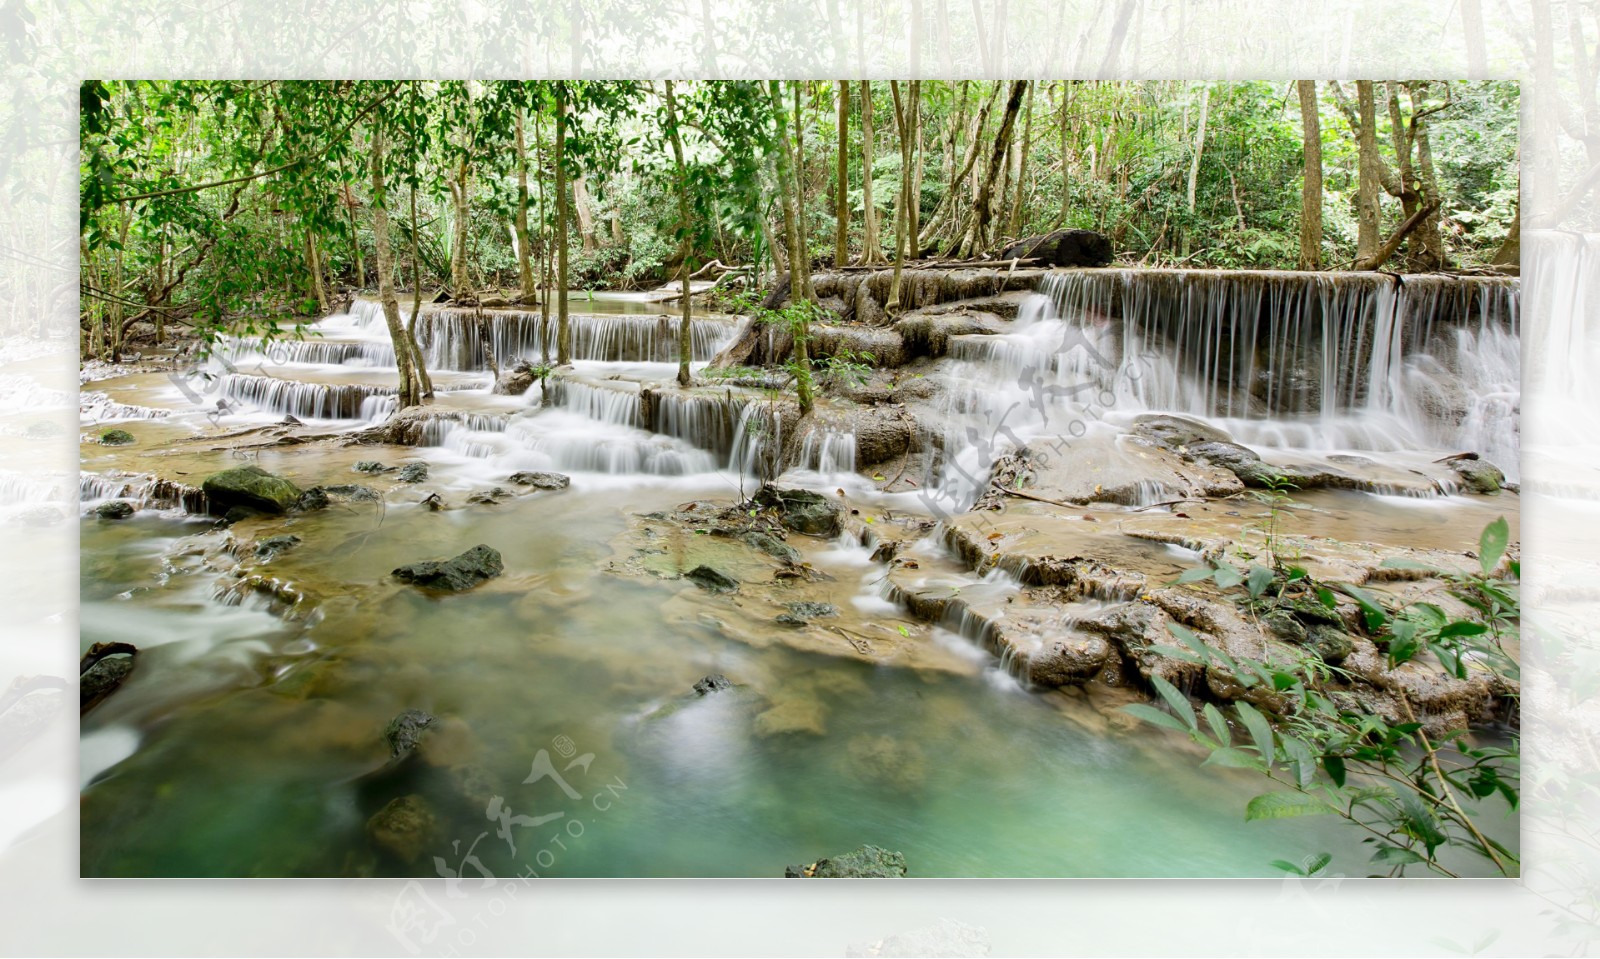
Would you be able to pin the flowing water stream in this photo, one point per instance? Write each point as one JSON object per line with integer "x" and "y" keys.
{"x": 248, "y": 741}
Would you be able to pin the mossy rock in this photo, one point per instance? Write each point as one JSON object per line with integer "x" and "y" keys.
{"x": 116, "y": 438}
{"x": 251, "y": 487}
{"x": 868, "y": 862}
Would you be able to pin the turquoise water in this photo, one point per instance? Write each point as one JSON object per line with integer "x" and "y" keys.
{"x": 248, "y": 743}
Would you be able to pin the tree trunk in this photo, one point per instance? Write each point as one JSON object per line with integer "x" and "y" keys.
{"x": 1510, "y": 252}
{"x": 410, "y": 385}
{"x": 871, "y": 245}
{"x": 1368, "y": 182}
{"x": 800, "y": 196}
{"x": 1472, "y": 29}
{"x": 685, "y": 339}
{"x": 563, "y": 330}
{"x": 902, "y": 216}
{"x": 802, "y": 331}
{"x": 319, "y": 292}
{"x": 974, "y": 239}
{"x": 1433, "y": 252}
{"x": 584, "y": 206}
{"x": 525, "y": 283}
{"x": 841, "y": 195}
{"x": 460, "y": 194}
{"x": 1311, "y": 186}
{"x": 416, "y": 301}
{"x": 1199, "y": 144}
{"x": 914, "y": 213}
{"x": 1014, "y": 223}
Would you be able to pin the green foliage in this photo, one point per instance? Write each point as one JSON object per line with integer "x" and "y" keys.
{"x": 1414, "y": 796}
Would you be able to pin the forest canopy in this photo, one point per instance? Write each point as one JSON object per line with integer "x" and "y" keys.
{"x": 243, "y": 205}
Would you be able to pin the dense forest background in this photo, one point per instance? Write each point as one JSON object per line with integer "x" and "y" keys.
{"x": 248, "y": 204}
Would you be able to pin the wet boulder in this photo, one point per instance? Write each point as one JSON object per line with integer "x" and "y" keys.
{"x": 404, "y": 828}
{"x": 473, "y": 567}
{"x": 116, "y": 438}
{"x": 116, "y": 509}
{"x": 413, "y": 473}
{"x": 1063, "y": 248}
{"x": 405, "y": 731}
{"x": 102, "y": 671}
{"x": 867, "y": 862}
{"x": 372, "y": 467}
{"x": 251, "y": 487}
{"x": 801, "y": 510}
{"x": 353, "y": 492}
{"x": 1068, "y": 661}
{"x": 314, "y": 498}
{"x": 541, "y": 480}
{"x": 1177, "y": 432}
{"x": 489, "y": 497}
{"x": 514, "y": 381}
{"x": 1479, "y": 476}
{"x": 716, "y": 682}
{"x": 769, "y": 544}
{"x": 803, "y": 612}
{"x": 711, "y": 580}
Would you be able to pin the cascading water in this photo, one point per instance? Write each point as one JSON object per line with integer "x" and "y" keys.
{"x": 1318, "y": 362}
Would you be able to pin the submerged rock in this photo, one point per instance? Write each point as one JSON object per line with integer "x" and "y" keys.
{"x": 477, "y": 565}
{"x": 251, "y": 487}
{"x": 102, "y": 670}
{"x": 354, "y": 492}
{"x": 541, "y": 480}
{"x": 711, "y": 580}
{"x": 868, "y": 862}
{"x": 116, "y": 438}
{"x": 489, "y": 497}
{"x": 1063, "y": 248}
{"x": 769, "y": 544}
{"x": 805, "y": 611}
{"x": 801, "y": 510}
{"x": 413, "y": 473}
{"x": 405, "y": 731}
{"x": 403, "y": 828}
{"x": 372, "y": 466}
{"x": 716, "y": 682}
{"x": 116, "y": 509}
{"x": 314, "y": 498}
{"x": 273, "y": 545}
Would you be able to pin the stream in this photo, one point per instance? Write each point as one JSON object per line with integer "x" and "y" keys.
{"x": 570, "y": 740}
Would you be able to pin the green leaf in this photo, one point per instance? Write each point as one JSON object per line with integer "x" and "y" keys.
{"x": 1178, "y": 701}
{"x": 1154, "y": 716}
{"x": 1396, "y": 856}
{"x": 1462, "y": 628}
{"x": 1259, "y": 579}
{"x": 1219, "y": 726}
{"x": 1284, "y": 806}
{"x": 1318, "y": 863}
{"x": 1492, "y": 544}
{"x": 1260, "y": 729}
{"x": 1228, "y": 576}
{"x": 1233, "y": 758}
{"x": 1371, "y": 609}
{"x": 1287, "y": 867}
{"x": 1195, "y": 575}
{"x": 1335, "y": 767}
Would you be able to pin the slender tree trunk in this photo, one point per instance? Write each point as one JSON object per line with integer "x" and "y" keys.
{"x": 319, "y": 292}
{"x": 410, "y": 385}
{"x": 841, "y": 195}
{"x": 871, "y": 245}
{"x": 685, "y": 338}
{"x": 914, "y": 212}
{"x": 1014, "y": 225}
{"x": 416, "y": 301}
{"x": 787, "y": 182}
{"x": 974, "y": 239}
{"x": 563, "y": 329}
{"x": 544, "y": 244}
{"x": 460, "y": 194}
{"x": 525, "y": 292}
{"x": 1066, "y": 172}
{"x": 1311, "y": 186}
{"x": 1433, "y": 252}
{"x": 583, "y": 205}
{"x": 1472, "y": 29}
{"x": 800, "y": 195}
{"x": 1368, "y": 180}
{"x": 1199, "y": 143}
{"x": 902, "y": 216}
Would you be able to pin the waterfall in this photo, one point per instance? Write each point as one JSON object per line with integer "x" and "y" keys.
{"x": 828, "y": 449}
{"x": 321, "y": 401}
{"x": 457, "y": 339}
{"x": 609, "y": 401}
